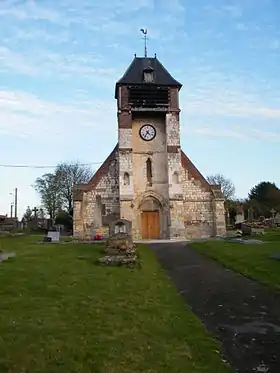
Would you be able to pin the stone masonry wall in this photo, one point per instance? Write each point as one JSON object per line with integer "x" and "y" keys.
{"x": 77, "y": 218}
{"x": 88, "y": 218}
{"x": 155, "y": 150}
{"x": 219, "y": 214}
{"x": 193, "y": 211}
{"x": 172, "y": 129}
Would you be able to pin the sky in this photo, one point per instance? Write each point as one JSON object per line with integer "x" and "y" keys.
{"x": 59, "y": 61}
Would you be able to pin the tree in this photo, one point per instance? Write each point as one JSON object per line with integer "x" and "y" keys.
{"x": 48, "y": 187}
{"x": 63, "y": 218}
{"x": 264, "y": 197}
{"x": 28, "y": 215}
{"x": 68, "y": 175}
{"x": 227, "y": 186}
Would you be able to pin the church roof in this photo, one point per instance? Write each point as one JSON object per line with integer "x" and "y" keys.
{"x": 134, "y": 73}
{"x": 193, "y": 171}
{"x": 102, "y": 171}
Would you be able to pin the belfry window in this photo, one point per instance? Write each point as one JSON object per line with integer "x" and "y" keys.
{"x": 126, "y": 179}
{"x": 149, "y": 171}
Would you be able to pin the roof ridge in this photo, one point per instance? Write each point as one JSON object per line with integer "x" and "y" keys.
{"x": 193, "y": 170}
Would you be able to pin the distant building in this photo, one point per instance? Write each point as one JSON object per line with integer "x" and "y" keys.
{"x": 7, "y": 224}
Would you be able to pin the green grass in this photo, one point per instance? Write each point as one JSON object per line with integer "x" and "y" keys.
{"x": 251, "y": 260}
{"x": 271, "y": 235}
{"x": 62, "y": 314}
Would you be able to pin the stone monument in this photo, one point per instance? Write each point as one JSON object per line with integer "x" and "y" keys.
{"x": 120, "y": 248}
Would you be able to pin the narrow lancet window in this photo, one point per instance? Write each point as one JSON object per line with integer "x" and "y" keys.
{"x": 126, "y": 179}
{"x": 149, "y": 171}
{"x": 175, "y": 178}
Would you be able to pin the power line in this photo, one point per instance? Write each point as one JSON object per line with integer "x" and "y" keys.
{"x": 41, "y": 166}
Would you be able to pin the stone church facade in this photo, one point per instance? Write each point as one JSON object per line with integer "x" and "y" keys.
{"x": 148, "y": 179}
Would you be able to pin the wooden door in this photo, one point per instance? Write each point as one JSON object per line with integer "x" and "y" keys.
{"x": 150, "y": 228}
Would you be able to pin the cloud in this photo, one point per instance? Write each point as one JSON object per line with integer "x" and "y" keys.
{"x": 218, "y": 132}
{"x": 266, "y": 135}
{"x": 28, "y": 10}
{"x": 214, "y": 93}
{"x": 274, "y": 44}
{"x": 232, "y": 11}
{"x": 32, "y": 10}
{"x": 36, "y": 33}
{"x": 236, "y": 133}
{"x": 228, "y": 106}
{"x": 49, "y": 64}
{"x": 30, "y": 116}
{"x": 17, "y": 62}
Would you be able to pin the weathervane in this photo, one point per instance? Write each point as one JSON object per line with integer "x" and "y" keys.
{"x": 144, "y": 31}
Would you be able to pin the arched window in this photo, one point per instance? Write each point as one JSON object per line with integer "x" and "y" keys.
{"x": 126, "y": 178}
{"x": 149, "y": 171}
{"x": 175, "y": 178}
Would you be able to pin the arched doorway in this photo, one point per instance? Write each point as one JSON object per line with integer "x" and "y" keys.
{"x": 150, "y": 218}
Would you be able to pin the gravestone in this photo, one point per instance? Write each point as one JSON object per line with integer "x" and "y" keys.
{"x": 246, "y": 229}
{"x": 277, "y": 219}
{"x": 120, "y": 248}
{"x": 239, "y": 215}
{"x": 250, "y": 214}
{"x": 55, "y": 236}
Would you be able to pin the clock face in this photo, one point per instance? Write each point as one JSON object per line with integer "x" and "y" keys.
{"x": 147, "y": 132}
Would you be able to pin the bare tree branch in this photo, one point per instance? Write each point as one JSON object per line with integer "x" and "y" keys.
{"x": 227, "y": 186}
{"x": 70, "y": 174}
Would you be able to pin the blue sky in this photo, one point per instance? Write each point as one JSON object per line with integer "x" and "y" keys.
{"x": 59, "y": 61}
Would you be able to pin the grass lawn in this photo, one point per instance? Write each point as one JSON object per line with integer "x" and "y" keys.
{"x": 62, "y": 314}
{"x": 251, "y": 260}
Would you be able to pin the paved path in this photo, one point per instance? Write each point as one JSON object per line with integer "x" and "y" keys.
{"x": 243, "y": 314}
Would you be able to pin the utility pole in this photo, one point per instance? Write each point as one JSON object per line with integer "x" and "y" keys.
{"x": 16, "y": 202}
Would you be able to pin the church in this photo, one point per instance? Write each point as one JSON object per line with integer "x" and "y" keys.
{"x": 147, "y": 179}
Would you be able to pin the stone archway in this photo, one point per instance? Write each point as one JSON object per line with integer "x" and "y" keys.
{"x": 151, "y": 207}
{"x": 150, "y": 225}
{"x": 147, "y": 203}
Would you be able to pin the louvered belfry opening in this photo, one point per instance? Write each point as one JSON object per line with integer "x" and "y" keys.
{"x": 148, "y": 96}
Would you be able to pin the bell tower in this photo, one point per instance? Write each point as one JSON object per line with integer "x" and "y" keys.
{"x": 149, "y": 146}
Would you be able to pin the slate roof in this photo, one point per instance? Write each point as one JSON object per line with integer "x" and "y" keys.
{"x": 134, "y": 73}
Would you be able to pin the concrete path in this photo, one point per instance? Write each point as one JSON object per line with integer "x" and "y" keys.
{"x": 244, "y": 315}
